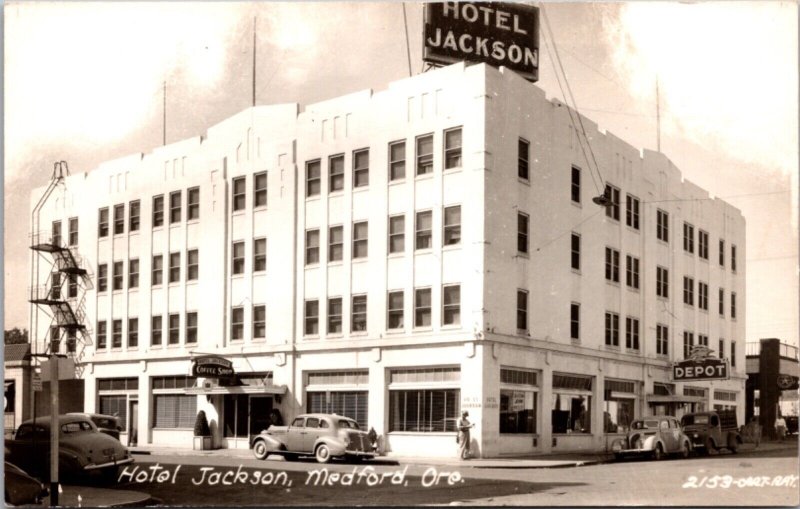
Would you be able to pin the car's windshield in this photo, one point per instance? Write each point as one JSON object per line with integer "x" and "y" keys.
{"x": 348, "y": 424}
{"x": 75, "y": 427}
{"x": 694, "y": 419}
{"x": 646, "y": 424}
{"x": 105, "y": 422}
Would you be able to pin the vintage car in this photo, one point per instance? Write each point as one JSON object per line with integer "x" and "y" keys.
{"x": 108, "y": 424}
{"x": 324, "y": 436}
{"x": 711, "y": 431}
{"x": 82, "y": 449}
{"x": 653, "y": 436}
{"x": 20, "y": 488}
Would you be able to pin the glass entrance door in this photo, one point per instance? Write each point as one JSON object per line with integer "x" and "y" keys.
{"x": 260, "y": 408}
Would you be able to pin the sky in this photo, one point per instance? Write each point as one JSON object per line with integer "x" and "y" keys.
{"x": 83, "y": 82}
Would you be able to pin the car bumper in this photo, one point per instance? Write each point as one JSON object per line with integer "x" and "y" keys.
{"x": 360, "y": 454}
{"x": 95, "y": 466}
{"x": 627, "y": 452}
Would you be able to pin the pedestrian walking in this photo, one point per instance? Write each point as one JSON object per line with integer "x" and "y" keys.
{"x": 780, "y": 428}
{"x": 755, "y": 431}
{"x": 463, "y": 435}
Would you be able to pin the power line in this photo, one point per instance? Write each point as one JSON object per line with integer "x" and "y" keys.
{"x": 719, "y": 197}
{"x": 567, "y": 231}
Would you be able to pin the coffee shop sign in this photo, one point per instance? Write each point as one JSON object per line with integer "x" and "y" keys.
{"x": 212, "y": 366}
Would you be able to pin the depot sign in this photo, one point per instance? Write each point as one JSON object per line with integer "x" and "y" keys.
{"x": 494, "y": 33}
{"x": 707, "y": 369}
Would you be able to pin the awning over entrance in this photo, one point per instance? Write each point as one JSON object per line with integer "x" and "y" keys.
{"x": 674, "y": 398}
{"x": 238, "y": 389}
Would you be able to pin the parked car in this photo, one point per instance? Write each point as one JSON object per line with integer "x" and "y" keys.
{"x": 324, "y": 436}
{"x": 20, "y": 488}
{"x": 791, "y": 424}
{"x": 83, "y": 450}
{"x": 711, "y": 431}
{"x": 655, "y": 436}
{"x": 108, "y": 424}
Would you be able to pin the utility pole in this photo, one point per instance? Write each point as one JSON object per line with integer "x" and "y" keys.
{"x": 54, "y": 427}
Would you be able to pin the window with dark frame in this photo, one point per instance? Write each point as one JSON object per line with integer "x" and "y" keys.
{"x": 733, "y": 305}
{"x": 424, "y": 154}
{"x": 239, "y": 194}
{"x": 424, "y": 230}
{"x": 102, "y": 222}
{"x": 360, "y": 239}
{"x": 134, "y": 212}
{"x": 335, "y": 315}
{"x": 721, "y": 302}
{"x": 193, "y": 204}
{"x": 452, "y": 226}
{"x": 451, "y": 305}
{"x": 73, "y": 286}
{"x": 359, "y": 314}
{"x": 174, "y": 337}
{"x": 662, "y": 225}
{"x": 102, "y": 277}
{"x": 312, "y": 247}
{"x": 522, "y": 310}
{"x": 133, "y": 333}
{"x": 612, "y": 265}
{"x": 733, "y": 257}
{"x": 422, "y": 307}
{"x": 157, "y": 272}
{"x": 259, "y": 321}
{"x": 237, "y": 258}
{"x": 156, "y": 331}
{"x": 116, "y": 334}
{"x": 313, "y": 178}
{"x": 158, "y": 211}
{"x": 73, "y": 231}
{"x": 397, "y": 235}
{"x": 118, "y": 276}
{"x": 102, "y": 331}
{"x": 336, "y": 173}
{"x": 632, "y": 211}
{"x": 237, "y": 323}
{"x": 612, "y": 329}
{"x": 523, "y": 157}
{"x": 259, "y": 255}
{"x": 191, "y": 327}
{"x": 662, "y": 339}
{"x": 631, "y": 333}
{"x": 311, "y": 318}
{"x": 575, "y": 321}
{"x": 192, "y": 265}
{"x": 721, "y": 348}
{"x": 688, "y": 343}
{"x": 397, "y": 160}
{"x": 119, "y": 219}
{"x": 452, "y": 148}
{"x": 335, "y": 243}
{"x": 702, "y": 295}
{"x": 174, "y": 267}
{"x": 688, "y": 291}
{"x": 688, "y": 238}
{"x": 133, "y": 273}
{"x": 55, "y": 286}
{"x": 702, "y": 339}
{"x": 733, "y": 353}
{"x": 575, "y": 187}
{"x": 523, "y": 232}
{"x": 395, "y": 310}
{"x": 632, "y": 272}
{"x": 55, "y": 238}
{"x": 175, "y": 207}
{"x": 721, "y": 253}
{"x": 612, "y": 209}
{"x": 662, "y": 282}
{"x": 260, "y": 189}
{"x": 575, "y": 251}
{"x": 361, "y": 168}
{"x": 702, "y": 244}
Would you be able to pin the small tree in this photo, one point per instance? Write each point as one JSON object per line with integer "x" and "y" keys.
{"x": 15, "y": 336}
{"x": 201, "y": 428}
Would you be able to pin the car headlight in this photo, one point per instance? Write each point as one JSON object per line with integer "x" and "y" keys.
{"x": 616, "y": 446}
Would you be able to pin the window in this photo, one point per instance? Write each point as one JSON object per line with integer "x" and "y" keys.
{"x": 575, "y": 249}
{"x": 313, "y": 182}
{"x": 360, "y": 241}
{"x": 237, "y": 258}
{"x": 260, "y": 189}
{"x": 424, "y": 229}
{"x": 133, "y": 273}
{"x": 424, "y": 410}
{"x": 312, "y": 247}
{"x": 311, "y": 318}
{"x": 522, "y": 232}
{"x": 702, "y": 339}
{"x": 575, "y": 321}
{"x": 158, "y": 270}
{"x": 115, "y": 404}
{"x": 452, "y": 225}
{"x": 632, "y": 271}
{"x": 73, "y": 286}
{"x": 175, "y": 207}
{"x": 335, "y": 243}
{"x": 191, "y": 327}
{"x": 662, "y": 282}
{"x": 158, "y": 211}
{"x": 157, "y": 333}
{"x": 117, "y": 276}
{"x": 721, "y": 348}
{"x": 612, "y": 265}
{"x": 134, "y": 211}
{"x": 612, "y": 209}
{"x": 688, "y": 238}
{"x": 702, "y": 295}
{"x": 116, "y": 334}
{"x": 237, "y": 323}
{"x": 193, "y": 203}
{"x": 733, "y": 257}
{"x": 721, "y": 302}
{"x": 422, "y": 307}
{"x": 102, "y": 222}
{"x": 733, "y": 305}
{"x": 451, "y": 309}
{"x": 239, "y": 193}
{"x": 174, "y": 329}
{"x": 452, "y": 148}
{"x": 55, "y": 286}
{"x": 522, "y": 310}
{"x": 174, "y": 267}
{"x": 619, "y": 396}
{"x": 571, "y": 408}
{"x": 662, "y": 225}
{"x": 73, "y": 231}
{"x": 192, "y": 265}
{"x": 523, "y": 156}
{"x": 733, "y": 353}
{"x": 174, "y": 411}
{"x": 348, "y": 403}
{"x": 259, "y": 255}
{"x": 395, "y": 310}
{"x": 721, "y": 253}
{"x": 259, "y": 322}
{"x": 688, "y": 342}
{"x": 361, "y": 168}
{"x": 702, "y": 244}
{"x": 397, "y": 160}
{"x": 102, "y": 331}
{"x": 612, "y": 329}
{"x": 55, "y": 238}
{"x": 662, "y": 339}
{"x": 688, "y": 291}
{"x": 336, "y": 173}
{"x": 518, "y": 401}
{"x": 425, "y": 154}
{"x": 631, "y": 333}
{"x": 397, "y": 236}
{"x": 335, "y": 315}
{"x": 576, "y": 184}
{"x": 632, "y": 211}
{"x": 119, "y": 219}
{"x": 359, "y": 314}
{"x": 133, "y": 332}
{"x": 102, "y": 277}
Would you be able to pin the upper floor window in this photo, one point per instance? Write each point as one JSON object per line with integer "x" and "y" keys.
{"x": 662, "y": 225}
{"x": 452, "y": 225}
{"x": 191, "y": 327}
{"x": 522, "y": 310}
{"x": 662, "y": 282}
{"x": 116, "y": 334}
{"x": 733, "y": 257}
{"x": 133, "y": 332}
{"x": 733, "y": 305}
{"x": 73, "y": 231}
{"x": 175, "y": 207}
{"x": 259, "y": 322}
{"x": 312, "y": 246}
{"x": 424, "y": 229}
{"x": 311, "y": 318}
{"x": 133, "y": 273}
{"x": 425, "y": 154}
{"x": 55, "y": 238}
{"x": 452, "y": 148}
{"x": 721, "y": 253}
{"x": 360, "y": 240}
{"x": 688, "y": 238}
{"x": 721, "y": 302}
{"x": 361, "y": 168}
{"x": 397, "y": 227}
{"x": 239, "y": 193}
{"x": 632, "y": 211}
{"x": 260, "y": 189}
{"x": 259, "y": 255}
{"x": 575, "y": 251}
{"x": 733, "y": 353}
{"x": 632, "y": 272}
{"x": 702, "y": 244}
{"x": 157, "y": 273}
{"x": 575, "y": 321}
{"x": 612, "y": 329}
{"x": 662, "y": 339}
{"x": 156, "y": 331}
{"x": 336, "y": 173}
{"x": 612, "y": 265}
{"x": 102, "y": 331}
{"x": 702, "y": 295}
{"x": 395, "y": 310}
{"x": 523, "y": 157}
{"x": 397, "y": 160}
{"x": 575, "y": 188}
{"x": 134, "y": 211}
{"x": 688, "y": 343}
{"x": 119, "y": 219}
{"x": 422, "y": 307}
{"x": 688, "y": 291}
{"x": 359, "y": 314}
{"x": 313, "y": 182}
{"x": 451, "y": 305}
{"x": 237, "y": 323}
{"x": 118, "y": 276}
{"x": 174, "y": 267}
{"x": 102, "y": 222}
{"x": 335, "y": 315}
{"x": 158, "y": 211}
{"x": 631, "y": 333}
{"x": 237, "y": 258}
{"x": 174, "y": 336}
{"x": 522, "y": 232}
{"x": 192, "y": 265}
{"x": 193, "y": 203}
{"x": 335, "y": 243}
{"x": 612, "y": 209}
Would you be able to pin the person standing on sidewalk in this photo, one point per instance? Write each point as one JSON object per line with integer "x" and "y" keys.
{"x": 463, "y": 435}
{"x": 780, "y": 428}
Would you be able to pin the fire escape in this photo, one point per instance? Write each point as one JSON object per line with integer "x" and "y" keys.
{"x": 62, "y": 296}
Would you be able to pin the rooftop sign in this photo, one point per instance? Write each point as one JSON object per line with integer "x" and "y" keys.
{"x": 495, "y": 33}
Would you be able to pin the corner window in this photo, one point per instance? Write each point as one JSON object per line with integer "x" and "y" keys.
{"x": 361, "y": 168}
{"x": 425, "y": 154}
{"x": 452, "y": 148}
{"x": 336, "y": 173}
{"x": 397, "y": 160}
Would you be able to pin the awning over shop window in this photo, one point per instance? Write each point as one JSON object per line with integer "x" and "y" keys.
{"x": 238, "y": 389}
{"x": 674, "y": 398}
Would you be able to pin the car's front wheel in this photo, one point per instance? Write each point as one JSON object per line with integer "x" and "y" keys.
{"x": 658, "y": 452}
{"x": 260, "y": 450}
{"x": 323, "y": 454}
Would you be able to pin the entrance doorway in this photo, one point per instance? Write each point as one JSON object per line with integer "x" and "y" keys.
{"x": 133, "y": 423}
{"x": 245, "y": 415}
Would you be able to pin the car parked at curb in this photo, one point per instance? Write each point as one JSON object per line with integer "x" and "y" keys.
{"x": 655, "y": 437}
{"x": 108, "y": 424}
{"x": 20, "y": 488}
{"x": 324, "y": 436}
{"x": 712, "y": 431}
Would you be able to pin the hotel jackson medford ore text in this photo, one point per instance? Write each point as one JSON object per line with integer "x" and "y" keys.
{"x": 397, "y": 257}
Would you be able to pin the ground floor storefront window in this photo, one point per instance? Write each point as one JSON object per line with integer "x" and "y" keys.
{"x": 245, "y": 414}
{"x": 339, "y": 392}
{"x": 432, "y": 406}
{"x": 620, "y": 397}
{"x": 518, "y": 401}
{"x": 114, "y": 395}
{"x": 724, "y": 400}
{"x": 172, "y": 407}
{"x": 571, "y": 410}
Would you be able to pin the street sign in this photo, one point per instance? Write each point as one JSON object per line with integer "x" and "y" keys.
{"x": 37, "y": 382}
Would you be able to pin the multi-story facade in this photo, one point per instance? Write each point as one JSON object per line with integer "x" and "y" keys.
{"x": 398, "y": 256}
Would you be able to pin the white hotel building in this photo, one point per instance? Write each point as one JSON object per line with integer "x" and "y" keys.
{"x": 398, "y": 256}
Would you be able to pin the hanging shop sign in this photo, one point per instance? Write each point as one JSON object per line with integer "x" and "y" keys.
{"x": 495, "y": 33}
{"x": 700, "y": 365}
{"x": 212, "y": 366}
{"x": 787, "y": 382}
